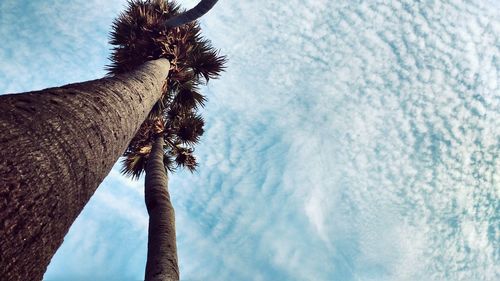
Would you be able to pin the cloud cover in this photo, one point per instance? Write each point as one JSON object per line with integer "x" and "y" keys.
{"x": 349, "y": 140}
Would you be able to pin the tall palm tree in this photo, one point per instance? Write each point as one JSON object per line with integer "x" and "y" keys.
{"x": 166, "y": 139}
{"x": 58, "y": 144}
{"x": 162, "y": 263}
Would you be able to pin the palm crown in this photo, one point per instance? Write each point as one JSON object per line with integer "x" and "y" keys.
{"x": 139, "y": 34}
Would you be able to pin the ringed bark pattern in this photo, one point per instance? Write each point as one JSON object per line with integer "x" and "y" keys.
{"x": 58, "y": 145}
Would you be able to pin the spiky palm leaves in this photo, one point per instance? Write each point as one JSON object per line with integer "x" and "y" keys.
{"x": 139, "y": 34}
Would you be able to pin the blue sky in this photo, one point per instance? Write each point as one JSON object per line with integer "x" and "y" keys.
{"x": 348, "y": 140}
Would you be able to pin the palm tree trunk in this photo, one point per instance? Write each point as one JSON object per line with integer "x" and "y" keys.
{"x": 162, "y": 262}
{"x": 57, "y": 145}
{"x": 192, "y": 14}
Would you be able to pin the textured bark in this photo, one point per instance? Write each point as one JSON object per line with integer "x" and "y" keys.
{"x": 57, "y": 145}
{"x": 162, "y": 262}
{"x": 192, "y": 14}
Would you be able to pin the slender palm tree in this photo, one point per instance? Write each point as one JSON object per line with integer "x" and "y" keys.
{"x": 166, "y": 139}
{"x": 58, "y": 144}
{"x": 161, "y": 263}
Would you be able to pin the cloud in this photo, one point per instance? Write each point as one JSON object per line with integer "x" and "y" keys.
{"x": 346, "y": 141}
{"x": 51, "y": 43}
{"x": 108, "y": 240}
{"x": 364, "y": 120}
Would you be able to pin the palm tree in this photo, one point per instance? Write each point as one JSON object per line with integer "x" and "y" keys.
{"x": 58, "y": 144}
{"x": 162, "y": 263}
{"x": 166, "y": 139}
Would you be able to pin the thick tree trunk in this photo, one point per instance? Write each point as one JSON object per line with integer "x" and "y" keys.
{"x": 162, "y": 263}
{"x": 56, "y": 147}
{"x": 192, "y": 14}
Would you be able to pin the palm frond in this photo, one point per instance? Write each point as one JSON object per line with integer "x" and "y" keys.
{"x": 185, "y": 158}
{"x": 190, "y": 129}
{"x": 189, "y": 98}
{"x": 133, "y": 164}
{"x": 139, "y": 35}
{"x": 207, "y": 61}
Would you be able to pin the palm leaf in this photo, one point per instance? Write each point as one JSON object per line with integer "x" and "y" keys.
{"x": 139, "y": 34}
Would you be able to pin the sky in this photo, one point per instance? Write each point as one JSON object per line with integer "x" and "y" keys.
{"x": 347, "y": 140}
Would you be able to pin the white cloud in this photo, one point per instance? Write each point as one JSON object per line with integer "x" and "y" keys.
{"x": 346, "y": 141}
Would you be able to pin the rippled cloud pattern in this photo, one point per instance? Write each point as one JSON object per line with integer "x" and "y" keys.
{"x": 347, "y": 140}
{"x": 367, "y": 145}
